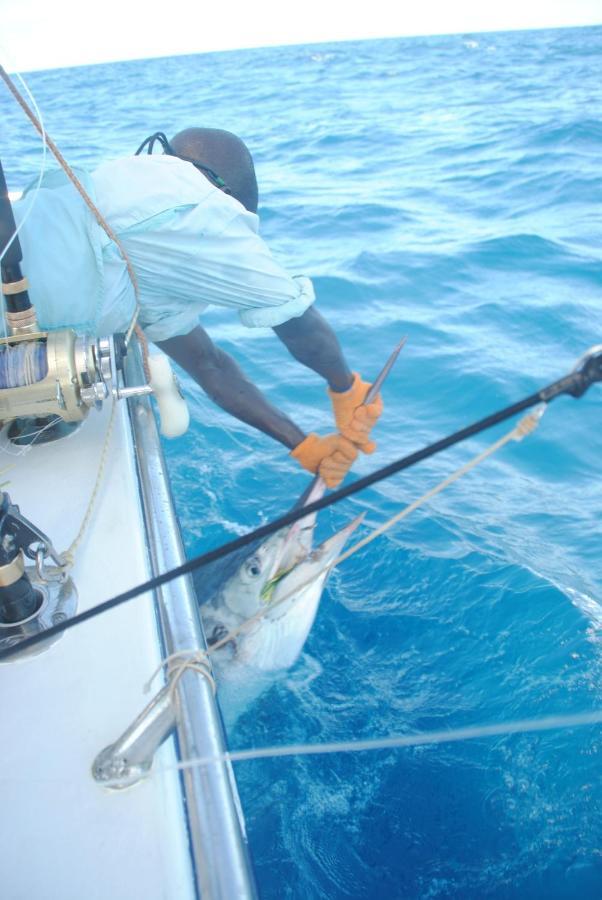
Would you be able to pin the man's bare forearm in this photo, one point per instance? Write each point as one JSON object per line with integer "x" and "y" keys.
{"x": 217, "y": 373}
{"x": 311, "y": 340}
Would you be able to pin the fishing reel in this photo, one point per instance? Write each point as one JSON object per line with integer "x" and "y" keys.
{"x": 59, "y": 374}
{"x": 62, "y": 375}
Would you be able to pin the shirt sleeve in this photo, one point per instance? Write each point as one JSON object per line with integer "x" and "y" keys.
{"x": 210, "y": 253}
{"x": 236, "y": 269}
{"x": 171, "y": 325}
{"x": 271, "y": 316}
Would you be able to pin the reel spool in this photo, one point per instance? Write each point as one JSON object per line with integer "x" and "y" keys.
{"x": 57, "y": 373}
{"x": 61, "y": 374}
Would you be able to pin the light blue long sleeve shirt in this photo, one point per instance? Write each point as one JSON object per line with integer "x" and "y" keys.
{"x": 190, "y": 245}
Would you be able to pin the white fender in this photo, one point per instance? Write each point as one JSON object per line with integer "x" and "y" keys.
{"x": 174, "y": 417}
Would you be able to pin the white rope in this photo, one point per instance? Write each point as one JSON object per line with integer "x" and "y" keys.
{"x": 68, "y": 555}
{"x": 523, "y": 428}
{"x": 180, "y": 662}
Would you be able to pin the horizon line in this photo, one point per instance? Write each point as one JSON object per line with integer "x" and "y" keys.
{"x": 317, "y": 43}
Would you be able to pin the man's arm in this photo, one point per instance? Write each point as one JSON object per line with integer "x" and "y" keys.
{"x": 222, "y": 380}
{"x": 311, "y": 340}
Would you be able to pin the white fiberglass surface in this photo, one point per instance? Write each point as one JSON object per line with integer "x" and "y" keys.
{"x": 61, "y": 834}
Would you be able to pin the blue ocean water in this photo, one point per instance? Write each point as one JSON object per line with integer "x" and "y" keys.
{"x": 449, "y": 189}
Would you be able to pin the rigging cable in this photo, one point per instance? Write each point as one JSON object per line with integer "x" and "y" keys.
{"x": 587, "y": 371}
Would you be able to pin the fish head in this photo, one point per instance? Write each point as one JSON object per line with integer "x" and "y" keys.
{"x": 278, "y": 582}
{"x": 241, "y": 582}
{"x": 289, "y": 609}
{"x": 309, "y": 572}
{"x": 244, "y": 593}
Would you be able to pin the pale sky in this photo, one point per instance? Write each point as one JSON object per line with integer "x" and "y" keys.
{"x": 42, "y": 34}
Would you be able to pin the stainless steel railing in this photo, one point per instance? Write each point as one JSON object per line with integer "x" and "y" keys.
{"x": 216, "y": 827}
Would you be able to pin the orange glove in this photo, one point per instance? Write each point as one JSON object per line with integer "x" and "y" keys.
{"x": 353, "y": 420}
{"x": 331, "y": 456}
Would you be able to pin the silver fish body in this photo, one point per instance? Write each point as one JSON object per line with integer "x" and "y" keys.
{"x": 280, "y": 581}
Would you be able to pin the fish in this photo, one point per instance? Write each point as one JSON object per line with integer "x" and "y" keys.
{"x": 280, "y": 580}
{"x": 278, "y": 583}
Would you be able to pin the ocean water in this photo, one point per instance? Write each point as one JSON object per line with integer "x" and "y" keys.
{"x": 449, "y": 189}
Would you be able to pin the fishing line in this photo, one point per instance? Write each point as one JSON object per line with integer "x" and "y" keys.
{"x": 34, "y": 435}
{"x": 393, "y": 742}
{"x": 587, "y": 371}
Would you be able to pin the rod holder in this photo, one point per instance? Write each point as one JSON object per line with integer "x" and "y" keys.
{"x": 130, "y": 757}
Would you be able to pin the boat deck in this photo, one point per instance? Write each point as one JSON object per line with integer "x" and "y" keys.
{"x": 63, "y": 835}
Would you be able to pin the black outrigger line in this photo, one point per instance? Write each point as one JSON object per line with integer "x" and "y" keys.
{"x": 587, "y": 371}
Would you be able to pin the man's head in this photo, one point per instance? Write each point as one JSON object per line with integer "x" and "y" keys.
{"x": 225, "y": 155}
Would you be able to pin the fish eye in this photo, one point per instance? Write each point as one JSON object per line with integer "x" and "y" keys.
{"x": 253, "y": 567}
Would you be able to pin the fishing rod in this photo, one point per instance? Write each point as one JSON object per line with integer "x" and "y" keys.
{"x": 14, "y": 285}
{"x": 586, "y": 372}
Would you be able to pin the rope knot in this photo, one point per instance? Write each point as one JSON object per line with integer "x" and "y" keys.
{"x": 529, "y": 423}
{"x": 178, "y": 663}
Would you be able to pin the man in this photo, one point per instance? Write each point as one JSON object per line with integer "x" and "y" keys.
{"x": 187, "y": 219}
